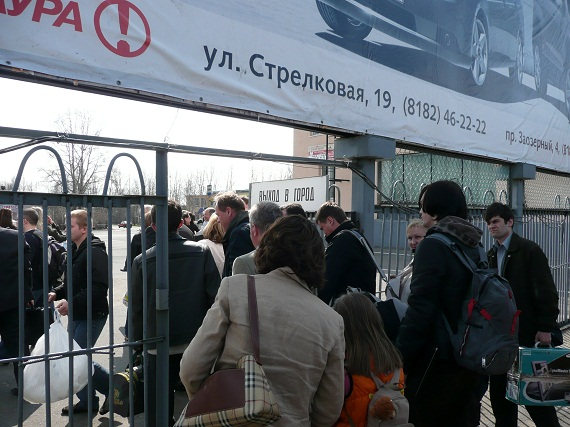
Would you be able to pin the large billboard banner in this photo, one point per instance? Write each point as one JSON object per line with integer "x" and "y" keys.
{"x": 483, "y": 77}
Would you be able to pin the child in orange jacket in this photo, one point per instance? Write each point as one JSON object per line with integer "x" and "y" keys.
{"x": 368, "y": 352}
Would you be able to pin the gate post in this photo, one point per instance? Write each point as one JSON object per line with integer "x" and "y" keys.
{"x": 519, "y": 172}
{"x": 162, "y": 347}
{"x": 364, "y": 150}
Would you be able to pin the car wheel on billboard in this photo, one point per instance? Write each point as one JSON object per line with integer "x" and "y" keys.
{"x": 479, "y": 51}
{"x": 516, "y": 71}
{"x": 342, "y": 24}
{"x": 539, "y": 71}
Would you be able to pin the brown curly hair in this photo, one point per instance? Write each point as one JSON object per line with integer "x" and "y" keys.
{"x": 293, "y": 241}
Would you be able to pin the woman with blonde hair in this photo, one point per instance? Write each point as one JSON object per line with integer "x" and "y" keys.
{"x": 399, "y": 286}
{"x": 213, "y": 234}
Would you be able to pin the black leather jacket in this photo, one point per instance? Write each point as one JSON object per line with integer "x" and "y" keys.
{"x": 193, "y": 285}
{"x": 100, "y": 282}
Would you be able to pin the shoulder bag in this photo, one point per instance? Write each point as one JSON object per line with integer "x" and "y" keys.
{"x": 239, "y": 396}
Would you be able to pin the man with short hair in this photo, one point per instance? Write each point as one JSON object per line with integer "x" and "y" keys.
{"x": 261, "y": 216}
{"x": 348, "y": 263}
{"x": 183, "y": 229}
{"x": 33, "y": 236}
{"x": 525, "y": 266}
{"x": 193, "y": 282}
{"x": 100, "y": 305}
{"x": 440, "y": 392}
{"x": 234, "y": 219}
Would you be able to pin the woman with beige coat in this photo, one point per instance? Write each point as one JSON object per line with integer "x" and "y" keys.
{"x": 301, "y": 338}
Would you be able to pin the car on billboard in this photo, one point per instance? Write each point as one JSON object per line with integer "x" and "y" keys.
{"x": 473, "y": 34}
{"x": 551, "y": 46}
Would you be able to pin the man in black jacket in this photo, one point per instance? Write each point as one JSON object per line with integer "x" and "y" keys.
{"x": 231, "y": 213}
{"x": 33, "y": 236}
{"x": 193, "y": 282}
{"x": 440, "y": 392}
{"x": 525, "y": 266}
{"x": 99, "y": 303}
{"x": 9, "y": 323}
{"x": 348, "y": 263}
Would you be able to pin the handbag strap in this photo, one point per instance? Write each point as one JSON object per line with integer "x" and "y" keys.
{"x": 253, "y": 317}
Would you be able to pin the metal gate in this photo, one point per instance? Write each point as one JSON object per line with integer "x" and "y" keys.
{"x": 112, "y": 345}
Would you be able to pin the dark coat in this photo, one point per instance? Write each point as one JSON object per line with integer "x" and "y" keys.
{"x": 9, "y": 270}
{"x": 193, "y": 285}
{"x": 237, "y": 241}
{"x": 348, "y": 263}
{"x": 99, "y": 282}
{"x": 136, "y": 243}
{"x": 34, "y": 239}
{"x": 526, "y": 268}
{"x": 439, "y": 285}
{"x": 185, "y": 232}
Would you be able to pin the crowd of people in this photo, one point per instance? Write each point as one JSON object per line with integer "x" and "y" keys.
{"x": 325, "y": 351}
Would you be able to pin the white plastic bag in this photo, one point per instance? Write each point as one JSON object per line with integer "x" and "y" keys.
{"x": 34, "y": 373}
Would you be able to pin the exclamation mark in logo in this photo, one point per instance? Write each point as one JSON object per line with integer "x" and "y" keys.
{"x": 123, "y": 47}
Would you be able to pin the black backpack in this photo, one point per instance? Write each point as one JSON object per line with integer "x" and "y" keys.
{"x": 486, "y": 340}
{"x": 57, "y": 260}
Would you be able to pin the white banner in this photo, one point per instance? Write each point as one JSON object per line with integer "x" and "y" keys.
{"x": 454, "y": 75}
{"x": 310, "y": 193}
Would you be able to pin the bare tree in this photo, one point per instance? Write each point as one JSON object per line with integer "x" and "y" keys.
{"x": 117, "y": 186}
{"x": 230, "y": 179}
{"x": 82, "y": 163}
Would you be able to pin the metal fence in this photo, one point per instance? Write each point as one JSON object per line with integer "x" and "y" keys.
{"x": 400, "y": 181}
{"x": 545, "y": 220}
{"x": 88, "y": 202}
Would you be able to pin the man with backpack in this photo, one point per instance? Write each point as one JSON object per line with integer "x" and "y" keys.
{"x": 56, "y": 255}
{"x": 33, "y": 236}
{"x": 440, "y": 391}
{"x": 525, "y": 266}
{"x": 348, "y": 263}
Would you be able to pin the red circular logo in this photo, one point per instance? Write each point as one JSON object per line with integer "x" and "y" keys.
{"x": 122, "y": 47}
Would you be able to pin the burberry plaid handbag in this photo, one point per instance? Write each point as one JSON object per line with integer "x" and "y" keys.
{"x": 239, "y": 396}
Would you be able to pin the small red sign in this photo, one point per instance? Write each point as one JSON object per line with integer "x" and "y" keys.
{"x": 122, "y": 47}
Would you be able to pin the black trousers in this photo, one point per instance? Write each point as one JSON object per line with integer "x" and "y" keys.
{"x": 506, "y": 412}
{"x": 9, "y": 333}
{"x": 173, "y": 378}
{"x": 445, "y": 398}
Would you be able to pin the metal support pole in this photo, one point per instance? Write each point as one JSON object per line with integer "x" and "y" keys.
{"x": 363, "y": 197}
{"x": 364, "y": 151}
{"x": 162, "y": 290}
{"x": 519, "y": 172}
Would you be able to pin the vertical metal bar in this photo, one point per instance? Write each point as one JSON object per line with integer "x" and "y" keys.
{"x": 111, "y": 310}
{"x": 391, "y": 239}
{"x": 21, "y": 308}
{"x": 130, "y": 311}
{"x": 162, "y": 287}
{"x": 381, "y": 240}
{"x": 69, "y": 296}
{"x": 398, "y": 241}
{"x": 89, "y": 248}
{"x": 45, "y": 292}
{"x": 145, "y": 309}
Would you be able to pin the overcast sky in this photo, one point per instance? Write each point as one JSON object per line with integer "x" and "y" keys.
{"x": 35, "y": 106}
